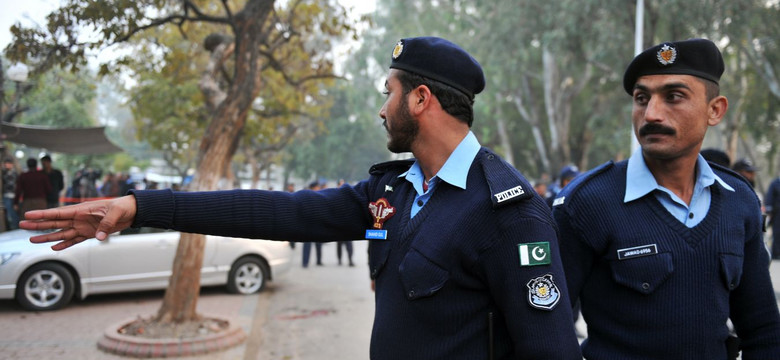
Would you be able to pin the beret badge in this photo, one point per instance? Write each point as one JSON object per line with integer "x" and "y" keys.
{"x": 399, "y": 47}
{"x": 667, "y": 55}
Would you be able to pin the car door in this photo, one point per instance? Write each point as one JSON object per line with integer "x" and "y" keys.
{"x": 132, "y": 261}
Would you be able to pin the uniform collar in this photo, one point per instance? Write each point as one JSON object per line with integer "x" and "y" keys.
{"x": 455, "y": 169}
{"x": 640, "y": 181}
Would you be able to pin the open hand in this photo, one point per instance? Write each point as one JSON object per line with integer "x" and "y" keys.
{"x": 77, "y": 223}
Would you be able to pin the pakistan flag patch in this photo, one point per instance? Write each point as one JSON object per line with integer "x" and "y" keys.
{"x": 532, "y": 254}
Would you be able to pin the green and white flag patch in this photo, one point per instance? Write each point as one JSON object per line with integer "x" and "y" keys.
{"x": 532, "y": 254}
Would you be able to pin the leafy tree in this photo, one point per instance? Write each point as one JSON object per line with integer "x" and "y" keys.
{"x": 353, "y": 140}
{"x": 267, "y": 47}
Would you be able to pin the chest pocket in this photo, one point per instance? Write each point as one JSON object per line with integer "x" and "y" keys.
{"x": 421, "y": 277}
{"x": 643, "y": 274}
{"x": 731, "y": 270}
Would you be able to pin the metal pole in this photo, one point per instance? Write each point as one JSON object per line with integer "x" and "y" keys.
{"x": 638, "y": 47}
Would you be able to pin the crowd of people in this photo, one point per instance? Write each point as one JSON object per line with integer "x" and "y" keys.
{"x": 43, "y": 187}
{"x": 663, "y": 252}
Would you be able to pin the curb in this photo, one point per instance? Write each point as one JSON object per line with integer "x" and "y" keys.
{"x": 133, "y": 346}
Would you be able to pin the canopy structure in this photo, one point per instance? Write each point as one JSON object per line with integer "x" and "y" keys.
{"x": 68, "y": 141}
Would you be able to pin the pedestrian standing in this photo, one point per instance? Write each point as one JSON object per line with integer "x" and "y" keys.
{"x": 32, "y": 189}
{"x": 346, "y": 244}
{"x": 9, "y": 188}
{"x": 463, "y": 252}
{"x": 56, "y": 180}
{"x": 662, "y": 249}
{"x": 314, "y": 186}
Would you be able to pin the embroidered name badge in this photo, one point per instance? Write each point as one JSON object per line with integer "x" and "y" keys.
{"x": 637, "y": 251}
{"x": 376, "y": 234}
{"x": 381, "y": 211}
{"x": 509, "y": 194}
{"x": 532, "y": 254}
{"x": 543, "y": 293}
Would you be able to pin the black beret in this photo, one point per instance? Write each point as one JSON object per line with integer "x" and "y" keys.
{"x": 696, "y": 57}
{"x": 440, "y": 60}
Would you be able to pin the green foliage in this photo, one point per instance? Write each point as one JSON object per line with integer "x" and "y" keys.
{"x": 351, "y": 143}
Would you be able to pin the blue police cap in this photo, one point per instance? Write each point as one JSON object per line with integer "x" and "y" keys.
{"x": 696, "y": 57}
{"x": 440, "y": 60}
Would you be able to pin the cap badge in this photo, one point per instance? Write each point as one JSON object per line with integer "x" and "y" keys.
{"x": 381, "y": 211}
{"x": 667, "y": 55}
{"x": 399, "y": 47}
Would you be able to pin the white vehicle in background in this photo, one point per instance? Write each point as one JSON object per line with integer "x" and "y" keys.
{"x": 40, "y": 278}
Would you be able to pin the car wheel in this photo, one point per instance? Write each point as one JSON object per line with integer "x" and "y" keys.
{"x": 46, "y": 286}
{"x": 247, "y": 276}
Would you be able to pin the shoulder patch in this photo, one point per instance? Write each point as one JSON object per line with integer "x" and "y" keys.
{"x": 381, "y": 168}
{"x": 506, "y": 184}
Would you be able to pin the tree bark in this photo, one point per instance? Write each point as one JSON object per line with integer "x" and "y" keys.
{"x": 217, "y": 147}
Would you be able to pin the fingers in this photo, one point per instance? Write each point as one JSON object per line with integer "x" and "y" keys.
{"x": 66, "y": 244}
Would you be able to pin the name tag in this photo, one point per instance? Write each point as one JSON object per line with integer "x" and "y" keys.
{"x": 376, "y": 234}
{"x": 637, "y": 251}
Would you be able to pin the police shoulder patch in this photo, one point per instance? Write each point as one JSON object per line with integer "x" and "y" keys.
{"x": 506, "y": 184}
{"x": 543, "y": 293}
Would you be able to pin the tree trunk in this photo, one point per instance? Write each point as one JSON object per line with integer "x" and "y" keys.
{"x": 216, "y": 151}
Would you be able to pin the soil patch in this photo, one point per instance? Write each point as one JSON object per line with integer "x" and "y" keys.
{"x": 150, "y": 329}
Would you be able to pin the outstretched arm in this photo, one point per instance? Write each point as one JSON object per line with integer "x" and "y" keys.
{"x": 77, "y": 223}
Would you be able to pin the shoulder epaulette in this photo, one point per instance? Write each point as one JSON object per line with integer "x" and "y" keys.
{"x": 507, "y": 185}
{"x": 381, "y": 168}
{"x": 579, "y": 180}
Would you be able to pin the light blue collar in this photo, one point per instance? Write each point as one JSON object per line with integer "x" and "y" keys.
{"x": 455, "y": 169}
{"x": 640, "y": 181}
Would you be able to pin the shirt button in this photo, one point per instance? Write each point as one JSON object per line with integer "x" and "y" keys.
{"x": 420, "y": 203}
{"x": 690, "y": 215}
{"x": 645, "y": 286}
{"x": 411, "y": 293}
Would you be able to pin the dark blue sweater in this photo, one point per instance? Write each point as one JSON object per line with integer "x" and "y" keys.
{"x": 438, "y": 275}
{"x": 652, "y": 288}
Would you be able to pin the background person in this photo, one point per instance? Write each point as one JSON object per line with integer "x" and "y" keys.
{"x": 661, "y": 249}
{"x": 56, "y": 180}
{"x": 32, "y": 189}
{"x": 9, "y": 189}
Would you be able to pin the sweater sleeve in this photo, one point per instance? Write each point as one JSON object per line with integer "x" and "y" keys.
{"x": 577, "y": 254}
{"x": 326, "y": 215}
{"x": 754, "y": 310}
{"x": 537, "y": 332}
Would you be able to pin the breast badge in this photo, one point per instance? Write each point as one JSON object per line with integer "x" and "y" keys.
{"x": 381, "y": 211}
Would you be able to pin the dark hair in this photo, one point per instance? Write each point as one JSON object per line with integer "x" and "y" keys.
{"x": 711, "y": 89}
{"x": 452, "y": 101}
{"x": 46, "y": 158}
{"x": 32, "y": 164}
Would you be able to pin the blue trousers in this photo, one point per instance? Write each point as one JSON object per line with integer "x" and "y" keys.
{"x": 307, "y": 253}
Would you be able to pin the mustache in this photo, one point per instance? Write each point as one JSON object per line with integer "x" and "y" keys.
{"x": 654, "y": 128}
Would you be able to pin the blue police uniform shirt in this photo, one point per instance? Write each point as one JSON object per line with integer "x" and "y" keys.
{"x": 454, "y": 171}
{"x": 640, "y": 182}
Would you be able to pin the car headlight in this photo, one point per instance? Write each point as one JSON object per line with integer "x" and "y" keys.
{"x": 6, "y": 257}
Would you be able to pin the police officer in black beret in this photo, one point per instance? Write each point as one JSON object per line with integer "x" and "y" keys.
{"x": 463, "y": 252}
{"x": 662, "y": 250}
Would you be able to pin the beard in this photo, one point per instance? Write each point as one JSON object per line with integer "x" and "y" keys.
{"x": 404, "y": 130}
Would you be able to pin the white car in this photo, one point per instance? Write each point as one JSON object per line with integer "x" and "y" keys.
{"x": 40, "y": 278}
